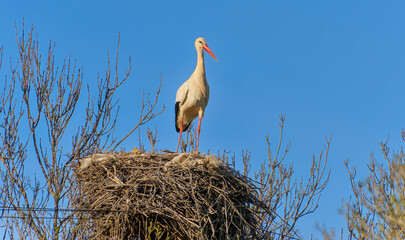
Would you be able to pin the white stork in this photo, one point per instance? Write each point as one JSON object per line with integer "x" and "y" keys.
{"x": 192, "y": 96}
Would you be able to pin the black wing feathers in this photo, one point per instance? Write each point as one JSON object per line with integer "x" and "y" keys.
{"x": 176, "y": 109}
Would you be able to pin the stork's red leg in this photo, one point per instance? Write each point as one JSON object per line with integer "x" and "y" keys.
{"x": 181, "y": 130}
{"x": 198, "y": 134}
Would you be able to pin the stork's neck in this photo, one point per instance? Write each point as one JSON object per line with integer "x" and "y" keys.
{"x": 200, "y": 68}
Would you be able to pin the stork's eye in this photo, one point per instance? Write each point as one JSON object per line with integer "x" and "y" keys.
{"x": 200, "y": 42}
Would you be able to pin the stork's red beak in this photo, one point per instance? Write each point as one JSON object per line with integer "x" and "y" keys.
{"x": 206, "y": 48}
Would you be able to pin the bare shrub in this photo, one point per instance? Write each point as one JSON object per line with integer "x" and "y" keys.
{"x": 287, "y": 199}
{"x": 376, "y": 211}
{"x": 37, "y": 105}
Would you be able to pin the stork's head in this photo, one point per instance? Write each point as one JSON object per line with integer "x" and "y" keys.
{"x": 201, "y": 43}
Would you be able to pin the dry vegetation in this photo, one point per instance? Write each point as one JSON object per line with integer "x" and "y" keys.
{"x": 42, "y": 128}
{"x": 377, "y": 209}
{"x": 128, "y": 195}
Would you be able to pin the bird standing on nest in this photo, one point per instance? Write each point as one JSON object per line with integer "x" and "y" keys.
{"x": 192, "y": 96}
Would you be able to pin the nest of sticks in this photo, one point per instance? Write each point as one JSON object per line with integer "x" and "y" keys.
{"x": 163, "y": 196}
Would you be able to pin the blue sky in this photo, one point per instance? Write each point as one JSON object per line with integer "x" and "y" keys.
{"x": 329, "y": 66}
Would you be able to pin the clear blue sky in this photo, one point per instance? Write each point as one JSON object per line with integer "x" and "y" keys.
{"x": 330, "y": 66}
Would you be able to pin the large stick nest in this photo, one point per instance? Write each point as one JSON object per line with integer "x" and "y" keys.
{"x": 164, "y": 196}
